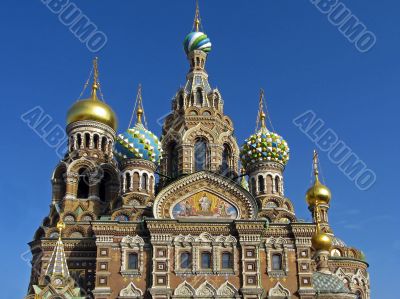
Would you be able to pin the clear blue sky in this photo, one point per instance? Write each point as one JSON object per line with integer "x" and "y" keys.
{"x": 287, "y": 47}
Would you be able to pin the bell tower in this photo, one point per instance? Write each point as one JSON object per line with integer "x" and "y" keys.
{"x": 196, "y": 134}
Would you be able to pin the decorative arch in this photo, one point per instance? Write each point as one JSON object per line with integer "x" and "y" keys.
{"x": 199, "y": 131}
{"x": 184, "y": 290}
{"x": 195, "y": 185}
{"x": 227, "y": 290}
{"x": 279, "y": 291}
{"x": 206, "y": 290}
{"x": 131, "y": 292}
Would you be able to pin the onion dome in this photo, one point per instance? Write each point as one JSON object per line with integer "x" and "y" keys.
{"x": 264, "y": 146}
{"x": 138, "y": 142}
{"x": 92, "y": 108}
{"x": 321, "y": 241}
{"x": 317, "y": 193}
{"x": 197, "y": 41}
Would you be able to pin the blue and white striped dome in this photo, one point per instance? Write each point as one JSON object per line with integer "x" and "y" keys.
{"x": 138, "y": 143}
{"x": 197, "y": 41}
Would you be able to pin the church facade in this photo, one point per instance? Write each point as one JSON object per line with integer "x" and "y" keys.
{"x": 189, "y": 215}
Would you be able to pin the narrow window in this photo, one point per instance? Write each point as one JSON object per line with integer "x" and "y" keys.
{"x": 83, "y": 183}
{"x": 172, "y": 160}
{"x": 276, "y": 262}
{"x": 277, "y": 183}
{"x": 200, "y": 154}
{"x": 199, "y": 97}
{"x": 96, "y": 141}
{"x": 226, "y": 160}
{"x": 87, "y": 140}
{"x": 261, "y": 185}
{"x": 145, "y": 183}
{"x": 206, "y": 260}
{"x": 253, "y": 186}
{"x": 227, "y": 260}
{"x": 127, "y": 181}
{"x": 132, "y": 261}
{"x": 186, "y": 261}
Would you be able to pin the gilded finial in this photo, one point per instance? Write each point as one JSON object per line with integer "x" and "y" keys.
{"x": 95, "y": 85}
{"x": 261, "y": 113}
{"x": 315, "y": 165}
{"x": 139, "y": 111}
{"x": 60, "y": 227}
{"x": 196, "y": 23}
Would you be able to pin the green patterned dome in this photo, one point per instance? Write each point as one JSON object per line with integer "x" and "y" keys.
{"x": 264, "y": 146}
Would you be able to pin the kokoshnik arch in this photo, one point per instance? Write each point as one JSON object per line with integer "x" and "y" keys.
{"x": 199, "y": 231}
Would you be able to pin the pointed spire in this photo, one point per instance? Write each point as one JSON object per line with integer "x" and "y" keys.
{"x": 95, "y": 85}
{"x": 58, "y": 264}
{"x": 315, "y": 165}
{"x": 138, "y": 109}
{"x": 261, "y": 114}
{"x": 197, "y": 20}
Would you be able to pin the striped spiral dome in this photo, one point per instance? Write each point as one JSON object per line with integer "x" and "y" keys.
{"x": 197, "y": 41}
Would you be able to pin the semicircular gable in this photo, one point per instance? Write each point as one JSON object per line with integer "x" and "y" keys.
{"x": 204, "y": 195}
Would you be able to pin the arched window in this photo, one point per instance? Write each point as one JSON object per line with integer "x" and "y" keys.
{"x": 269, "y": 184}
{"x": 87, "y": 140}
{"x": 104, "y": 144}
{"x": 136, "y": 181}
{"x": 261, "y": 185}
{"x": 145, "y": 181}
{"x": 277, "y": 184}
{"x": 199, "y": 97}
{"x": 226, "y": 159}
{"x": 71, "y": 143}
{"x": 186, "y": 260}
{"x": 104, "y": 185}
{"x": 79, "y": 141}
{"x": 253, "y": 186}
{"x": 358, "y": 295}
{"x": 200, "y": 154}
{"x": 276, "y": 261}
{"x": 172, "y": 160}
{"x": 133, "y": 261}
{"x": 206, "y": 260}
{"x": 83, "y": 183}
{"x": 96, "y": 141}
{"x": 127, "y": 181}
{"x": 227, "y": 260}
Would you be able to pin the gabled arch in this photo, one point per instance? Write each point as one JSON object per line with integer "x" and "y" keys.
{"x": 205, "y": 182}
{"x": 279, "y": 291}
{"x": 184, "y": 290}
{"x": 206, "y": 290}
{"x": 131, "y": 291}
{"x": 227, "y": 290}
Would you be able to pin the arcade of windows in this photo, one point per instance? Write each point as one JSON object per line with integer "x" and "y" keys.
{"x": 206, "y": 261}
{"x": 202, "y": 158}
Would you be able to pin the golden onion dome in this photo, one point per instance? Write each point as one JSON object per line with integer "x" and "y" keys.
{"x": 318, "y": 194}
{"x": 321, "y": 241}
{"x": 92, "y": 109}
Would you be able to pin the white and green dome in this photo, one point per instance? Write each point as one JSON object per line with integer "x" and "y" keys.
{"x": 197, "y": 41}
{"x": 264, "y": 146}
